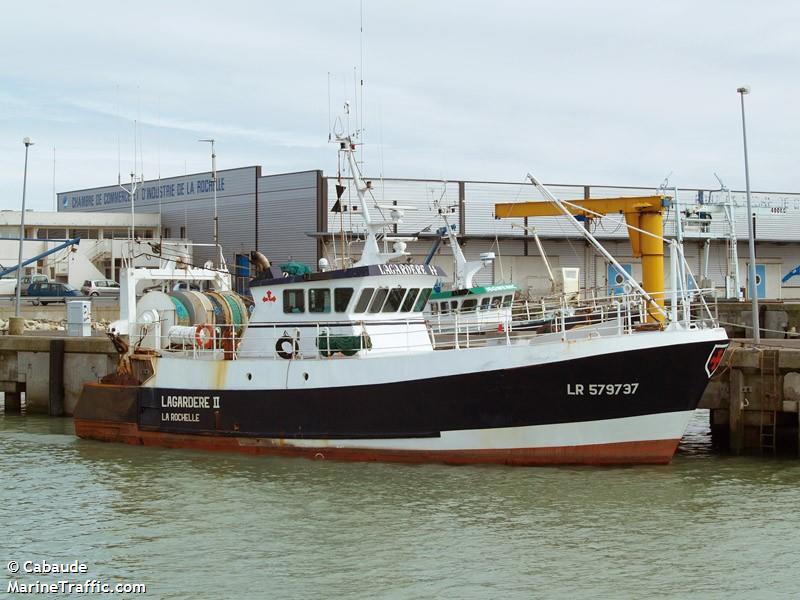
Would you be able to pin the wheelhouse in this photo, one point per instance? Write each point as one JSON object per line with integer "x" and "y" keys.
{"x": 368, "y": 309}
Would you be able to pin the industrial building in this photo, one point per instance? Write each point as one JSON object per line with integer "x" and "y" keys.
{"x": 289, "y": 216}
{"x": 105, "y": 238}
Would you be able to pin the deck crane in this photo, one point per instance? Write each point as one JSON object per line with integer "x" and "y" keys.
{"x": 73, "y": 242}
{"x": 644, "y": 213}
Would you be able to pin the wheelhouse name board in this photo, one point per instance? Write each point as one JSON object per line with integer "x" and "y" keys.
{"x": 399, "y": 269}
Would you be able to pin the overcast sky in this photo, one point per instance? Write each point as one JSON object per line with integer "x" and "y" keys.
{"x": 577, "y": 92}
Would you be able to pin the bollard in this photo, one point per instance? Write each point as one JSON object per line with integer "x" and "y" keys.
{"x": 16, "y": 325}
{"x": 56, "y": 406}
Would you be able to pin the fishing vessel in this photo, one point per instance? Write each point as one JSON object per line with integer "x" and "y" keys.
{"x": 342, "y": 364}
{"x": 460, "y": 303}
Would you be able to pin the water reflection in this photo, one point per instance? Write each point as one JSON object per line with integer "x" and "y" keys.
{"x": 185, "y": 521}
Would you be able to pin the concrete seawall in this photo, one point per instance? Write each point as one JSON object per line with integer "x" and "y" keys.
{"x": 101, "y": 310}
{"x": 25, "y": 366}
{"x": 755, "y": 398}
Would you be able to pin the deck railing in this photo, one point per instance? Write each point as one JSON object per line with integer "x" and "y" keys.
{"x": 547, "y": 320}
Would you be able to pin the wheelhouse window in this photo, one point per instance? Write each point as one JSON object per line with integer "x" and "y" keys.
{"x": 394, "y": 300}
{"x": 363, "y": 300}
{"x": 485, "y": 303}
{"x": 377, "y": 300}
{"x": 496, "y": 301}
{"x": 341, "y": 298}
{"x": 435, "y": 308}
{"x": 422, "y": 300}
{"x": 507, "y": 300}
{"x": 408, "y": 303}
{"x": 319, "y": 300}
{"x": 469, "y": 305}
{"x": 294, "y": 301}
{"x": 454, "y": 305}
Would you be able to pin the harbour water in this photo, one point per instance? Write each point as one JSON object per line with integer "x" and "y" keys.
{"x": 205, "y": 525}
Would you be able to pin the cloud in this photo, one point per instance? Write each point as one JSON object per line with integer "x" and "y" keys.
{"x": 579, "y": 92}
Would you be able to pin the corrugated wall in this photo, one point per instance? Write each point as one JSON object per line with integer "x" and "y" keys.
{"x": 419, "y": 195}
{"x": 287, "y": 213}
{"x": 185, "y": 201}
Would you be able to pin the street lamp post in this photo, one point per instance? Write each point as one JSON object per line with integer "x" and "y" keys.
{"x": 27, "y": 141}
{"x": 750, "y": 234}
{"x": 214, "y": 186}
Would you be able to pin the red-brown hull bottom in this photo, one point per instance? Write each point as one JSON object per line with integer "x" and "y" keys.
{"x": 641, "y": 452}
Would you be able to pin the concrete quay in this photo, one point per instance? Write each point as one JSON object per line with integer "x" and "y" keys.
{"x": 102, "y": 309}
{"x": 754, "y": 398}
{"x": 778, "y": 319}
{"x": 51, "y": 370}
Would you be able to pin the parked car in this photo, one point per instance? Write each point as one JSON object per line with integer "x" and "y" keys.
{"x": 26, "y": 280}
{"x": 51, "y": 291}
{"x": 100, "y": 287}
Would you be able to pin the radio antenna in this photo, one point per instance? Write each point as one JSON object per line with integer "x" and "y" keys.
{"x": 119, "y": 141}
{"x": 361, "y": 72}
{"x": 330, "y": 124}
{"x": 55, "y": 198}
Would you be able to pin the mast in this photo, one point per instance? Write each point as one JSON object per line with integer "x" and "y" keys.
{"x": 464, "y": 270}
{"x": 371, "y": 254}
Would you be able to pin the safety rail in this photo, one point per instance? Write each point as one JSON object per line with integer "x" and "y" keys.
{"x": 526, "y": 312}
{"x": 544, "y": 321}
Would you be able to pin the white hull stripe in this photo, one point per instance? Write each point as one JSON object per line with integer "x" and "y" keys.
{"x": 663, "y": 426}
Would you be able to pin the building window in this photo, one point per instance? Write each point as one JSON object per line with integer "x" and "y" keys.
{"x": 183, "y": 232}
{"x": 57, "y": 234}
{"x": 167, "y": 232}
{"x": 294, "y": 301}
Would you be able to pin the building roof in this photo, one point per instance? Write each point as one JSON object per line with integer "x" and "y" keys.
{"x": 78, "y": 219}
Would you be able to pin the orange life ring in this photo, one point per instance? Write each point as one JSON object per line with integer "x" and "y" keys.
{"x": 208, "y": 342}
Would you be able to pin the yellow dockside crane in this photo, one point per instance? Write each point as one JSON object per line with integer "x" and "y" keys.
{"x": 645, "y": 213}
